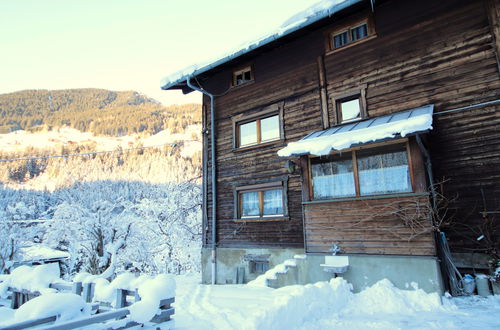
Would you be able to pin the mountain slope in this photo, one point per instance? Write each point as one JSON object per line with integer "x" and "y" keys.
{"x": 92, "y": 110}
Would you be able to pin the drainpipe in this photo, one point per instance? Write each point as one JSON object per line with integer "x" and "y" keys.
{"x": 428, "y": 166}
{"x": 214, "y": 179}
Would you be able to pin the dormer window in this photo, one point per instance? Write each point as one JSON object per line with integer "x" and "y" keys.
{"x": 347, "y": 35}
{"x": 242, "y": 76}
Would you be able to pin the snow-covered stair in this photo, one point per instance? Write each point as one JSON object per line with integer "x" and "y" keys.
{"x": 286, "y": 273}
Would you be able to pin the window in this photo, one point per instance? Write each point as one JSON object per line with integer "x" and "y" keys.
{"x": 350, "y": 106}
{"x": 242, "y": 76}
{"x": 363, "y": 172}
{"x": 349, "y": 109}
{"x": 259, "y": 128}
{"x": 349, "y": 34}
{"x": 259, "y": 131}
{"x": 261, "y": 201}
{"x": 259, "y": 267}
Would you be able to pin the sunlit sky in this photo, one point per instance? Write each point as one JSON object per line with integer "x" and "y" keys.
{"x": 124, "y": 44}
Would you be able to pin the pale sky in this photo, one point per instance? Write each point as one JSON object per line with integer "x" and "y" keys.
{"x": 124, "y": 44}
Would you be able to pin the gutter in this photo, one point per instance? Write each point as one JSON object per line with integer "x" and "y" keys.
{"x": 213, "y": 177}
{"x": 186, "y": 74}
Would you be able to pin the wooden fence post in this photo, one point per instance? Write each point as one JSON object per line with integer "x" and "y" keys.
{"x": 76, "y": 288}
{"x": 88, "y": 291}
{"x": 121, "y": 298}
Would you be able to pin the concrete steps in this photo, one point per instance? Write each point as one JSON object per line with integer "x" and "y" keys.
{"x": 291, "y": 272}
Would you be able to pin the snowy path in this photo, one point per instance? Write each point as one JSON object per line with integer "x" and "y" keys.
{"x": 325, "y": 306}
{"x": 218, "y": 307}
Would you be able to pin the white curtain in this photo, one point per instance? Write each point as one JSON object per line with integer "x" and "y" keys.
{"x": 336, "y": 185}
{"x": 250, "y": 204}
{"x": 384, "y": 180}
{"x": 273, "y": 202}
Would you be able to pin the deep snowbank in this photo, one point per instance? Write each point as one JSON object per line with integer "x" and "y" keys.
{"x": 36, "y": 278}
{"x": 295, "y": 305}
{"x": 326, "y": 305}
{"x": 65, "y": 306}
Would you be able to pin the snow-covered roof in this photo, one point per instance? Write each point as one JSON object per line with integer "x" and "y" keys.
{"x": 341, "y": 137}
{"x": 39, "y": 252}
{"x": 318, "y": 11}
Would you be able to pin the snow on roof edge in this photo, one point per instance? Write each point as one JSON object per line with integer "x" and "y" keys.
{"x": 287, "y": 28}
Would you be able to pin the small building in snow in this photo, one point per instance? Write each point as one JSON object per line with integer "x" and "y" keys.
{"x": 39, "y": 254}
{"x": 364, "y": 127}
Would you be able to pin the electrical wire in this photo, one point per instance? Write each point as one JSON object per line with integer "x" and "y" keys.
{"x": 93, "y": 153}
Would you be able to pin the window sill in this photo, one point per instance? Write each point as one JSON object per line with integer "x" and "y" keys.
{"x": 260, "y": 145}
{"x": 336, "y": 50}
{"x": 258, "y": 219}
{"x": 235, "y": 87}
{"x": 361, "y": 198}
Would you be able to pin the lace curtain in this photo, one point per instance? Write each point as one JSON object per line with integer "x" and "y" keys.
{"x": 384, "y": 180}
{"x": 337, "y": 185}
{"x": 273, "y": 202}
{"x": 250, "y": 204}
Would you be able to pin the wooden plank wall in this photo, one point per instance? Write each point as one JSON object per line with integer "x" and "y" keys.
{"x": 439, "y": 52}
{"x": 376, "y": 226}
{"x": 282, "y": 75}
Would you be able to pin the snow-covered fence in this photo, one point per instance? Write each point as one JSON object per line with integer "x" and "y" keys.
{"x": 119, "y": 316}
{"x": 95, "y": 300}
{"x": 18, "y": 297}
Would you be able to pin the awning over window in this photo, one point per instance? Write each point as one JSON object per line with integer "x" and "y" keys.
{"x": 375, "y": 129}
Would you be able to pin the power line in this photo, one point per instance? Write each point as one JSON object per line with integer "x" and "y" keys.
{"x": 92, "y": 153}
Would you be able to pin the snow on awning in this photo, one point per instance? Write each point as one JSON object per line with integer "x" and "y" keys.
{"x": 341, "y": 137}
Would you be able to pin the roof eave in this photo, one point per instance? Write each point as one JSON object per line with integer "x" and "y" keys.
{"x": 181, "y": 82}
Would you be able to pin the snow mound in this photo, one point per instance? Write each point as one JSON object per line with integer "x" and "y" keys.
{"x": 35, "y": 278}
{"x": 294, "y": 305}
{"x": 152, "y": 292}
{"x": 384, "y": 297}
{"x": 65, "y": 306}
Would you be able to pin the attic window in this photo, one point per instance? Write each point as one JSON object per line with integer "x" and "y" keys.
{"x": 347, "y": 35}
{"x": 242, "y": 76}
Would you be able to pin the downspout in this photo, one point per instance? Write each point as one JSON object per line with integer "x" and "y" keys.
{"x": 428, "y": 167}
{"x": 214, "y": 179}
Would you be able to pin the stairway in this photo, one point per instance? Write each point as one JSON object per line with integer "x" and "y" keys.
{"x": 290, "y": 272}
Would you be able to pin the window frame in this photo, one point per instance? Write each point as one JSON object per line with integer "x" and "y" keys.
{"x": 415, "y": 186}
{"x": 337, "y": 100}
{"x": 261, "y": 187}
{"x": 245, "y": 118}
{"x": 349, "y": 27}
{"x": 242, "y": 70}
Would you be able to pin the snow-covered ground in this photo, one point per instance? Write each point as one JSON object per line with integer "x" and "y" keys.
{"x": 20, "y": 140}
{"x": 326, "y": 306}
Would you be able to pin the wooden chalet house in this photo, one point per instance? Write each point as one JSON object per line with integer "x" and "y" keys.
{"x": 365, "y": 125}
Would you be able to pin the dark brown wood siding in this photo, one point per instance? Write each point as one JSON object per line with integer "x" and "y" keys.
{"x": 425, "y": 52}
{"x": 371, "y": 226}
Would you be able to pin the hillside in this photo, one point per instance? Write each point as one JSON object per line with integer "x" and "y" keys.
{"x": 99, "y": 111}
